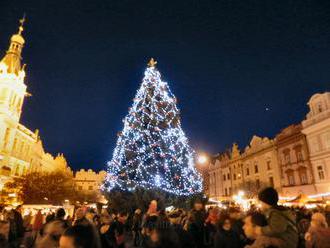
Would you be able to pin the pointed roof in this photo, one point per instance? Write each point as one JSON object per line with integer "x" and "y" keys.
{"x": 12, "y": 59}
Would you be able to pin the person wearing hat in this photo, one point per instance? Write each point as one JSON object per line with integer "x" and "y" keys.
{"x": 281, "y": 221}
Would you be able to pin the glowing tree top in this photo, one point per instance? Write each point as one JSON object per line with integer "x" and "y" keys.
{"x": 152, "y": 151}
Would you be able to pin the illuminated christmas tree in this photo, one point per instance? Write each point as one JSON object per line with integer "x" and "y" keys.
{"x": 152, "y": 151}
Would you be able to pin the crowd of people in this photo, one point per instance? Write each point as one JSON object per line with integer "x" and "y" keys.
{"x": 270, "y": 225}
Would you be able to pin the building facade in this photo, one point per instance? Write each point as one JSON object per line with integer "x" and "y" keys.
{"x": 88, "y": 183}
{"x": 316, "y": 127}
{"x": 21, "y": 149}
{"x": 295, "y": 167}
{"x": 295, "y": 162}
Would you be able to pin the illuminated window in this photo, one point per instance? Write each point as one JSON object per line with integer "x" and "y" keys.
{"x": 269, "y": 167}
{"x": 290, "y": 176}
{"x": 299, "y": 156}
{"x": 6, "y": 139}
{"x": 271, "y": 181}
{"x": 320, "y": 172}
{"x": 256, "y": 169}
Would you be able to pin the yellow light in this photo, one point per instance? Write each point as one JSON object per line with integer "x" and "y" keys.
{"x": 12, "y": 194}
{"x": 202, "y": 159}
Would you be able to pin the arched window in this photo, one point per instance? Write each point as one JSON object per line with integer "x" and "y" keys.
{"x": 290, "y": 176}
{"x": 302, "y": 171}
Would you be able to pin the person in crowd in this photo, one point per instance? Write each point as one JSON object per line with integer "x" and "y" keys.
{"x": 318, "y": 235}
{"x": 37, "y": 222}
{"x": 251, "y": 223}
{"x": 211, "y": 223}
{"x": 27, "y": 222}
{"x": 137, "y": 227}
{"x": 2, "y": 212}
{"x": 80, "y": 218}
{"x": 97, "y": 221}
{"x": 107, "y": 231}
{"x": 51, "y": 234}
{"x": 235, "y": 215}
{"x": 159, "y": 235}
{"x": 281, "y": 221}
{"x": 16, "y": 230}
{"x": 4, "y": 233}
{"x": 196, "y": 224}
{"x": 60, "y": 214}
{"x": 148, "y": 227}
{"x": 225, "y": 237}
{"x": 80, "y": 236}
{"x": 119, "y": 226}
{"x": 185, "y": 239}
{"x": 49, "y": 217}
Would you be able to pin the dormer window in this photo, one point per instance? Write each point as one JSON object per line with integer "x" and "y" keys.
{"x": 319, "y": 107}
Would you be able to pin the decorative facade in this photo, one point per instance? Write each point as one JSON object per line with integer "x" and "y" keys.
{"x": 250, "y": 170}
{"x": 296, "y": 162}
{"x": 316, "y": 127}
{"x": 21, "y": 149}
{"x": 295, "y": 167}
{"x": 88, "y": 182}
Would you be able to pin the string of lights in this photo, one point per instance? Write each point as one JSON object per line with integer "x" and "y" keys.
{"x": 152, "y": 151}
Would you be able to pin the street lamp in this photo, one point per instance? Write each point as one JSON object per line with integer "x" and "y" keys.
{"x": 202, "y": 159}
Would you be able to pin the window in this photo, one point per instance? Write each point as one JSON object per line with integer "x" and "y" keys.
{"x": 226, "y": 192}
{"x": 17, "y": 170}
{"x": 247, "y": 171}
{"x": 79, "y": 187}
{"x": 299, "y": 156}
{"x": 269, "y": 167}
{"x": 303, "y": 176}
{"x": 290, "y": 176}
{"x": 6, "y": 139}
{"x": 287, "y": 159}
{"x": 228, "y": 176}
{"x": 320, "y": 172}
{"x": 256, "y": 169}
{"x": 271, "y": 181}
{"x": 234, "y": 176}
{"x": 90, "y": 187}
{"x": 258, "y": 184}
{"x": 224, "y": 177}
{"x": 319, "y": 107}
{"x": 229, "y": 190}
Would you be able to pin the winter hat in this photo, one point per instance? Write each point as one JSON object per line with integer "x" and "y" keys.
{"x": 269, "y": 196}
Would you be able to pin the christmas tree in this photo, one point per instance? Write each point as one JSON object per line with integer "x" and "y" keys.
{"x": 152, "y": 151}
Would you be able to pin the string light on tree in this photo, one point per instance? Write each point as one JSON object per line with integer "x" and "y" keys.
{"x": 152, "y": 151}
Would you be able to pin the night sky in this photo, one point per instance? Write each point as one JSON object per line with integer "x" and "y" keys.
{"x": 238, "y": 68}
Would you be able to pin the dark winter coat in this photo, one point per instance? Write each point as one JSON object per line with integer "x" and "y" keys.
{"x": 185, "y": 239}
{"x": 196, "y": 227}
{"x": 282, "y": 225}
{"x": 226, "y": 239}
{"x": 266, "y": 242}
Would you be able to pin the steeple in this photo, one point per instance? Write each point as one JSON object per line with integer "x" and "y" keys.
{"x": 13, "y": 57}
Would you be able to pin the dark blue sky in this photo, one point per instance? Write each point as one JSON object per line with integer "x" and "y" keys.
{"x": 226, "y": 61}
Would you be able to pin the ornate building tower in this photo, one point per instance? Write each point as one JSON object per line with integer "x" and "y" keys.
{"x": 12, "y": 93}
